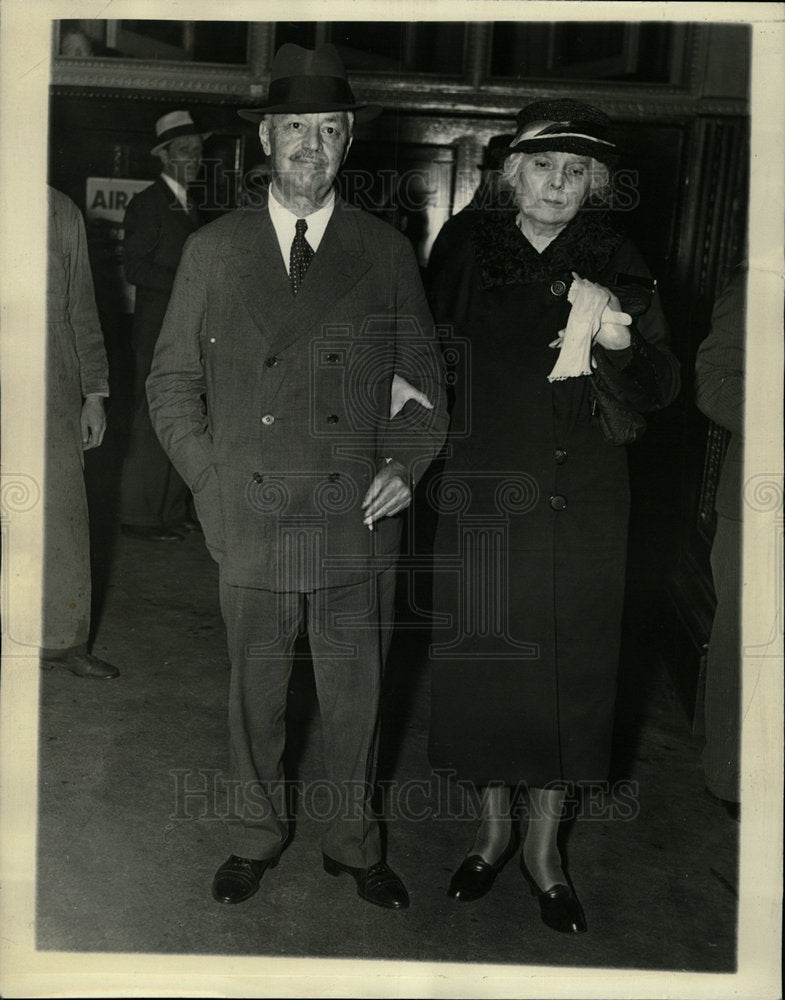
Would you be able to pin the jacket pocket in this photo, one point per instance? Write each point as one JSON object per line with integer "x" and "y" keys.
{"x": 206, "y": 492}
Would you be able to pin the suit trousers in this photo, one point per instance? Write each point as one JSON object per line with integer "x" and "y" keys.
{"x": 722, "y": 705}
{"x": 349, "y": 630}
{"x": 152, "y": 494}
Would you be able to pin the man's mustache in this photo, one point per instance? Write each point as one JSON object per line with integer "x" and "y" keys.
{"x": 308, "y": 158}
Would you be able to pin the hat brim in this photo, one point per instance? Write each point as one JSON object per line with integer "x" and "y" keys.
{"x": 362, "y": 112}
{"x": 161, "y": 145}
{"x": 568, "y": 144}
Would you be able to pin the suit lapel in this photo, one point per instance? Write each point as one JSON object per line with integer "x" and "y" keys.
{"x": 337, "y": 266}
{"x": 173, "y": 205}
{"x": 255, "y": 264}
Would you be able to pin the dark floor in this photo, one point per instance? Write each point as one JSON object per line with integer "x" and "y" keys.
{"x": 130, "y": 834}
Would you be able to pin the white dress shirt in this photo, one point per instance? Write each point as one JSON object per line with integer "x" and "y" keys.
{"x": 284, "y": 222}
{"x": 177, "y": 189}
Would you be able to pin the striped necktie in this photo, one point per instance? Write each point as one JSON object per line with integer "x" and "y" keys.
{"x": 300, "y": 256}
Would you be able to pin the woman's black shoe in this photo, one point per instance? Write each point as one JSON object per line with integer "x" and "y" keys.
{"x": 476, "y": 876}
{"x": 559, "y": 906}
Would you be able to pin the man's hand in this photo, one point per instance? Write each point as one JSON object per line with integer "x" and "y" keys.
{"x": 402, "y": 392}
{"x": 388, "y": 494}
{"x": 93, "y": 421}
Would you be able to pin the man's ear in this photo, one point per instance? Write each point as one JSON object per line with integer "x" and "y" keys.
{"x": 264, "y": 136}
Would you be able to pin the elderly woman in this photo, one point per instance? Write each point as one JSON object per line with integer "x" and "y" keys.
{"x": 563, "y": 345}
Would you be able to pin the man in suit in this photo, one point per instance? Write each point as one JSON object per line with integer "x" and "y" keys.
{"x": 271, "y": 392}
{"x": 158, "y": 221}
{"x": 719, "y": 393}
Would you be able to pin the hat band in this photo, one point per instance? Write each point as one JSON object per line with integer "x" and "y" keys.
{"x": 556, "y": 131}
{"x": 311, "y": 90}
{"x": 567, "y": 144}
{"x": 558, "y": 137}
{"x": 174, "y": 133}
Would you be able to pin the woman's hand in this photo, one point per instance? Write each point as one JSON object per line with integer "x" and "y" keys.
{"x": 402, "y": 392}
{"x": 614, "y": 332}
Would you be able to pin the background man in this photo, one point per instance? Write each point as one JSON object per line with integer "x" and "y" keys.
{"x": 158, "y": 221}
{"x": 719, "y": 389}
{"x": 271, "y": 392}
{"x": 76, "y": 384}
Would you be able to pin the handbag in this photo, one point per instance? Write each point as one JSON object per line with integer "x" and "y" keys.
{"x": 618, "y": 419}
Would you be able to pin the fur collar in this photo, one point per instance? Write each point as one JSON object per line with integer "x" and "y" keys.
{"x": 505, "y": 256}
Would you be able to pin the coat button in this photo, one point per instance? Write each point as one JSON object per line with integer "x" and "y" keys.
{"x": 271, "y": 362}
{"x": 334, "y": 477}
{"x": 332, "y": 359}
{"x": 558, "y": 288}
{"x": 561, "y": 456}
{"x": 268, "y": 419}
{"x": 332, "y": 418}
{"x": 558, "y": 502}
{"x": 257, "y": 477}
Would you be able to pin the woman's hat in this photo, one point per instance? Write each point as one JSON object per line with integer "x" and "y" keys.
{"x": 303, "y": 81}
{"x": 172, "y": 126}
{"x": 565, "y": 126}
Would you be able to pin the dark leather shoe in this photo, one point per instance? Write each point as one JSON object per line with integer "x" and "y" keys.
{"x": 560, "y": 908}
{"x": 150, "y": 533}
{"x": 83, "y": 665}
{"x": 476, "y": 876}
{"x": 238, "y": 878}
{"x": 378, "y": 884}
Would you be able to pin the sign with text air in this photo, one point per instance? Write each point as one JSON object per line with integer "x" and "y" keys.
{"x": 108, "y": 197}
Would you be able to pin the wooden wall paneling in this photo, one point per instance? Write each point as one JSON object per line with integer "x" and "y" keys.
{"x": 647, "y": 200}
{"x": 711, "y": 241}
{"x": 206, "y": 80}
{"x": 406, "y": 183}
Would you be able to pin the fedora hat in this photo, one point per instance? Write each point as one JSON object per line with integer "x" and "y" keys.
{"x": 564, "y": 125}
{"x": 497, "y": 148}
{"x": 304, "y": 81}
{"x": 172, "y": 126}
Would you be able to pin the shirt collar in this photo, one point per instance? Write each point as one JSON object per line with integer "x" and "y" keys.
{"x": 177, "y": 189}
{"x": 284, "y": 222}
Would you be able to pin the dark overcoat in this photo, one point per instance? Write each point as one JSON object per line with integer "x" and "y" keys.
{"x": 533, "y": 503}
{"x": 75, "y": 367}
{"x": 155, "y": 229}
{"x": 275, "y": 408}
{"x": 719, "y": 387}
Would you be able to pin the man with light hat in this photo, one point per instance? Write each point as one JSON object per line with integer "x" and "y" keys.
{"x": 158, "y": 221}
{"x": 272, "y": 391}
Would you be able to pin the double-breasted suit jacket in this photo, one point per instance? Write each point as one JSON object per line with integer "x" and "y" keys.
{"x": 275, "y": 408}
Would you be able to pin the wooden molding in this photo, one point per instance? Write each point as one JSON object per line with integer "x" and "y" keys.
{"x": 472, "y": 93}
